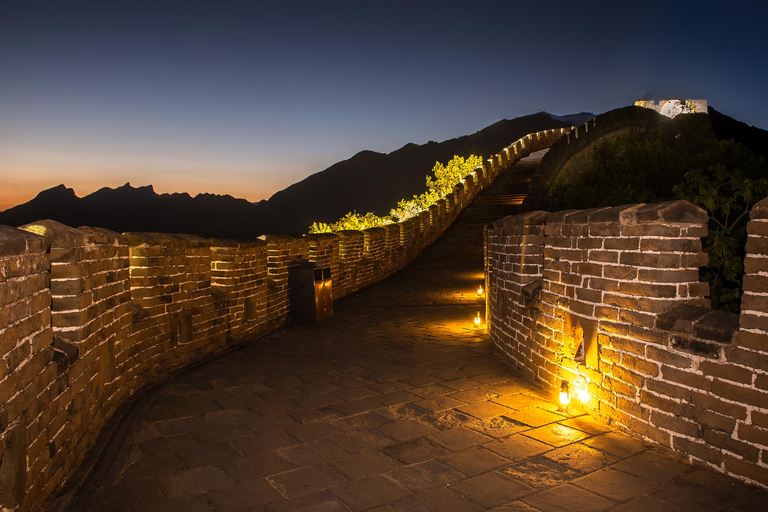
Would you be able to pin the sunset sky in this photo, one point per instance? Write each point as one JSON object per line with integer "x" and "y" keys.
{"x": 245, "y": 98}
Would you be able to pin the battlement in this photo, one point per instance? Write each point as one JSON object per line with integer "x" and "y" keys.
{"x": 609, "y": 301}
{"x": 89, "y": 317}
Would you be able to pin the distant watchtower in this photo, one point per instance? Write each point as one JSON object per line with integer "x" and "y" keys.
{"x": 672, "y": 108}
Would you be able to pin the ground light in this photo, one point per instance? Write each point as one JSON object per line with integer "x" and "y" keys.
{"x": 565, "y": 395}
{"x": 477, "y": 320}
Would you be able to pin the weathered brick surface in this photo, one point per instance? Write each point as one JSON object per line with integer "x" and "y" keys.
{"x": 239, "y": 280}
{"x": 89, "y": 316}
{"x": 26, "y": 358}
{"x": 622, "y": 283}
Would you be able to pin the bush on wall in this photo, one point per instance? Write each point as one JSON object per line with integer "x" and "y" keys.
{"x": 445, "y": 178}
{"x": 679, "y": 159}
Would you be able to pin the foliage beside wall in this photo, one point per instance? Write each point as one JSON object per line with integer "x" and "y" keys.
{"x": 445, "y": 178}
{"x": 727, "y": 190}
{"x": 679, "y": 159}
{"x": 352, "y": 220}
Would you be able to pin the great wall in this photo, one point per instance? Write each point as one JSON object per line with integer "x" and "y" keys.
{"x": 89, "y": 317}
{"x": 607, "y": 300}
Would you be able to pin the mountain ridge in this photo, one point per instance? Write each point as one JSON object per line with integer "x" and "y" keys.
{"x": 367, "y": 181}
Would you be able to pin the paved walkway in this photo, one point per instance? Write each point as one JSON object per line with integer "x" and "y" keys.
{"x": 396, "y": 403}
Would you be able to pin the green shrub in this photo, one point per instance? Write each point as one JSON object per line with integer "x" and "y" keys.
{"x": 629, "y": 169}
{"x": 352, "y": 220}
{"x": 679, "y": 159}
{"x": 445, "y": 178}
{"x": 727, "y": 190}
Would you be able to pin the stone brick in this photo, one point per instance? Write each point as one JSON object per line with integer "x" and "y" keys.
{"x": 607, "y": 313}
{"x": 623, "y": 344}
{"x": 754, "y": 302}
{"x": 671, "y": 390}
{"x": 668, "y": 276}
{"x": 739, "y": 394}
{"x": 752, "y": 359}
{"x": 755, "y": 283}
{"x": 685, "y": 378}
{"x": 678, "y": 211}
{"x": 726, "y": 371}
{"x": 698, "y": 449}
{"x": 725, "y": 441}
{"x": 671, "y": 245}
{"x": 634, "y": 318}
{"x": 640, "y": 365}
{"x": 693, "y": 260}
{"x": 745, "y": 469}
{"x": 753, "y": 434}
{"x": 757, "y": 245}
{"x": 619, "y": 386}
{"x": 620, "y": 301}
{"x": 759, "y": 418}
{"x": 708, "y": 418}
{"x": 604, "y": 229}
{"x": 630, "y": 406}
{"x": 603, "y": 256}
{"x": 710, "y": 402}
{"x": 675, "y": 424}
{"x": 754, "y": 264}
{"x": 666, "y": 357}
{"x": 747, "y": 320}
{"x": 648, "y": 290}
{"x": 647, "y": 335}
{"x": 659, "y": 402}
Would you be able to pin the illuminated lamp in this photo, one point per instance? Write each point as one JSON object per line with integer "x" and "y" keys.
{"x": 477, "y": 320}
{"x": 565, "y": 394}
{"x": 480, "y": 291}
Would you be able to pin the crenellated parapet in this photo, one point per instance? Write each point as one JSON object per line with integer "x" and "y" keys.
{"x": 609, "y": 301}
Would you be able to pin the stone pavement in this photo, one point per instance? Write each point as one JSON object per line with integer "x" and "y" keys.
{"x": 396, "y": 403}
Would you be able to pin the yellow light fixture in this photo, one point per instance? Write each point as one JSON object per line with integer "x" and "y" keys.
{"x": 480, "y": 291}
{"x": 477, "y": 319}
{"x": 565, "y": 394}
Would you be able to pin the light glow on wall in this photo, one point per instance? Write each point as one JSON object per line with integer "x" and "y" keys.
{"x": 565, "y": 395}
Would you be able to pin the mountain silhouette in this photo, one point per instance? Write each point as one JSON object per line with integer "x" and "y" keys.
{"x": 129, "y": 208}
{"x": 753, "y": 138}
{"x": 369, "y": 181}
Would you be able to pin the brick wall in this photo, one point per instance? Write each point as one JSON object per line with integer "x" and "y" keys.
{"x": 88, "y": 317}
{"x": 26, "y": 362}
{"x": 239, "y": 279}
{"x": 609, "y": 300}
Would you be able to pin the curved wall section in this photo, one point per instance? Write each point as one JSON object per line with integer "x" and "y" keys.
{"x": 632, "y": 120}
{"x": 609, "y": 301}
{"x": 89, "y": 317}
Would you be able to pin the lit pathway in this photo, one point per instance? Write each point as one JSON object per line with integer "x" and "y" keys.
{"x": 396, "y": 403}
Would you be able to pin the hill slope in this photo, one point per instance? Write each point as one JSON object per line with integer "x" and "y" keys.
{"x": 755, "y": 139}
{"x": 372, "y": 181}
{"x": 368, "y": 181}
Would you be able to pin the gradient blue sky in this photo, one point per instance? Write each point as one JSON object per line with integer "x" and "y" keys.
{"x": 245, "y": 98}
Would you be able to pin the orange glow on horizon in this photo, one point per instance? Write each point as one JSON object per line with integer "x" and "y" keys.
{"x": 22, "y": 183}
